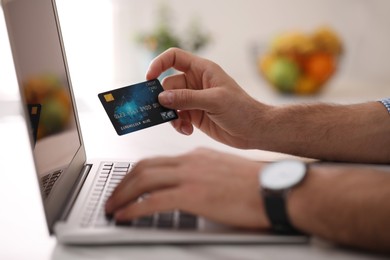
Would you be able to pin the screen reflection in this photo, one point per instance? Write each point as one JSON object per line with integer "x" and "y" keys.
{"x": 42, "y": 76}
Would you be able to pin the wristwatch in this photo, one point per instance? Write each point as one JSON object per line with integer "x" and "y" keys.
{"x": 276, "y": 180}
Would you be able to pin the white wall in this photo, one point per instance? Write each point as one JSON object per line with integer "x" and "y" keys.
{"x": 236, "y": 24}
{"x": 102, "y": 54}
{"x": 87, "y": 31}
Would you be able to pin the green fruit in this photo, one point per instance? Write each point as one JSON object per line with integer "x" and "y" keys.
{"x": 284, "y": 73}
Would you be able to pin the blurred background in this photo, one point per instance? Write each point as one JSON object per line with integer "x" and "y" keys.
{"x": 110, "y": 43}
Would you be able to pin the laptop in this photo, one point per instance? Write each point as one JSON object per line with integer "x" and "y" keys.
{"x": 74, "y": 189}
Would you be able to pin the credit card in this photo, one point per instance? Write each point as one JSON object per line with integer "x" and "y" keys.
{"x": 136, "y": 107}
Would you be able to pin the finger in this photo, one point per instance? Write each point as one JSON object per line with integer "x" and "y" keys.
{"x": 187, "y": 99}
{"x": 161, "y": 161}
{"x": 156, "y": 162}
{"x": 173, "y": 57}
{"x": 177, "y": 81}
{"x": 147, "y": 181}
{"x": 159, "y": 201}
{"x": 183, "y": 125}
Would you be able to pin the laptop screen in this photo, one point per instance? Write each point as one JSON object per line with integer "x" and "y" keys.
{"x": 46, "y": 95}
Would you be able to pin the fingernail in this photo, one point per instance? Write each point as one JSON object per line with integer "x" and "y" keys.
{"x": 186, "y": 130}
{"x": 166, "y": 98}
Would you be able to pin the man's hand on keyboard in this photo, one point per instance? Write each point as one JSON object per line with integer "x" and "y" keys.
{"x": 215, "y": 185}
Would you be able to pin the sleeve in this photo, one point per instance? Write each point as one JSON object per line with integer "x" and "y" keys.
{"x": 386, "y": 103}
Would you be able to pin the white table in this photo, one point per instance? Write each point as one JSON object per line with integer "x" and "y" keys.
{"x": 23, "y": 232}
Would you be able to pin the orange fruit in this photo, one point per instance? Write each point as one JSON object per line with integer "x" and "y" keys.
{"x": 320, "y": 66}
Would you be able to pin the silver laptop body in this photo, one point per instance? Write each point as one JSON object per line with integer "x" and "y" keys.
{"x": 73, "y": 190}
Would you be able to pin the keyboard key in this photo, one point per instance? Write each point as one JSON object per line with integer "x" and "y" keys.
{"x": 105, "y": 172}
{"x": 119, "y": 174}
{"x": 124, "y": 223}
{"x": 107, "y": 166}
{"x": 146, "y": 221}
{"x": 94, "y": 199}
{"x": 108, "y": 178}
{"x": 114, "y": 181}
{"x": 187, "y": 221}
{"x": 122, "y": 165}
{"x": 165, "y": 220}
{"x": 110, "y": 189}
{"x": 120, "y": 170}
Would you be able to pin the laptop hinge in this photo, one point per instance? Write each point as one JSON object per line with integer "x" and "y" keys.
{"x": 76, "y": 191}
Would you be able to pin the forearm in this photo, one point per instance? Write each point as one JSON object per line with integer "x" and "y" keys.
{"x": 353, "y": 133}
{"x": 345, "y": 204}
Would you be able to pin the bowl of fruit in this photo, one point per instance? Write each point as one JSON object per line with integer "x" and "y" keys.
{"x": 300, "y": 63}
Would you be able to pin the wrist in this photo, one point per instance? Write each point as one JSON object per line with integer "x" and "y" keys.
{"x": 277, "y": 181}
{"x": 262, "y": 120}
{"x": 298, "y": 201}
{"x": 284, "y": 129}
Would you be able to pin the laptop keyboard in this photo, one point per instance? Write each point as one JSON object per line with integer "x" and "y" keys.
{"x": 109, "y": 176}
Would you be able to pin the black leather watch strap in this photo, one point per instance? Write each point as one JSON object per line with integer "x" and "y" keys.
{"x": 275, "y": 208}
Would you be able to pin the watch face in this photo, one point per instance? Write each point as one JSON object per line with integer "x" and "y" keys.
{"x": 282, "y": 175}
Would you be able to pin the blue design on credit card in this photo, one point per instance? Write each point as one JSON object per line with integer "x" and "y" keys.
{"x": 136, "y": 107}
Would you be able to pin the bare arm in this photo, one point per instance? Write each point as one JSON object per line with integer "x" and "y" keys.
{"x": 355, "y": 211}
{"x": 353, "y": 133}
{"x": 346, "y": 204}
{"x": 212, "y": 101}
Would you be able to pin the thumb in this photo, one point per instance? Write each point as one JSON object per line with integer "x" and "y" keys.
{"x": 186, "y": 99}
